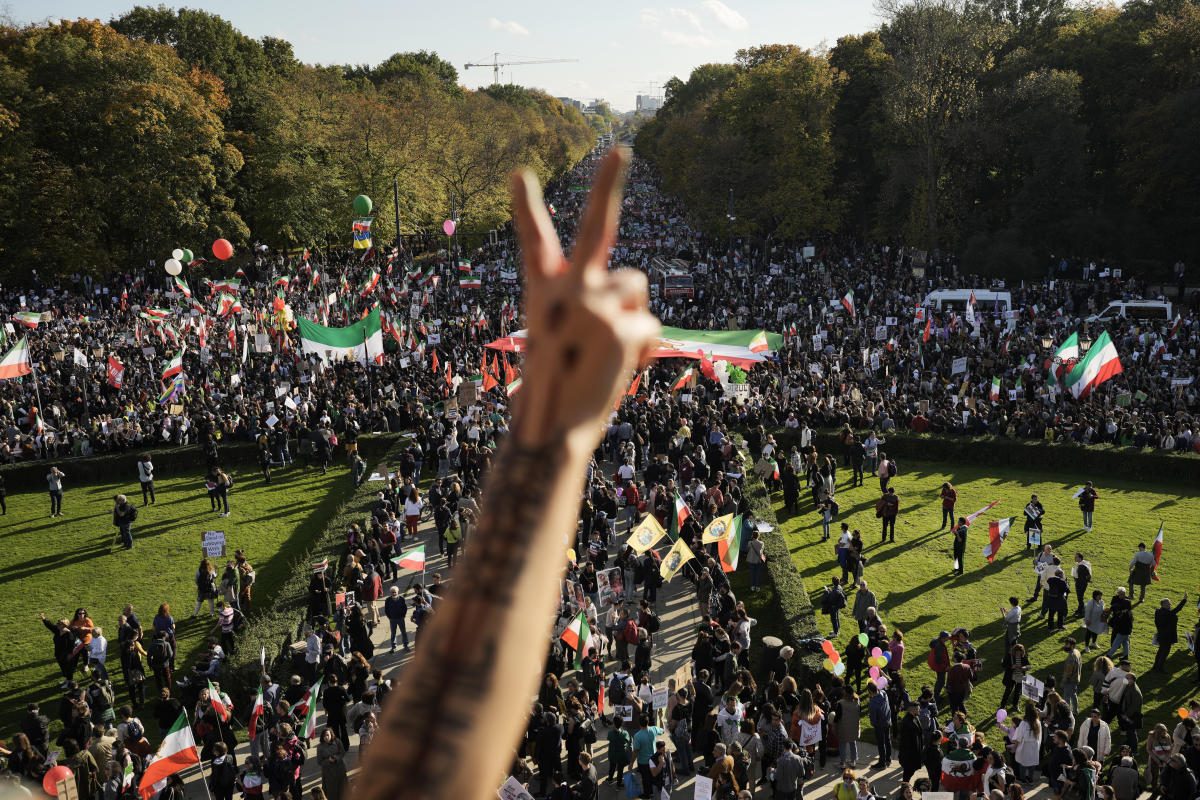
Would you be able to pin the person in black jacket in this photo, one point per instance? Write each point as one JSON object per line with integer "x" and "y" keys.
{"x": 334, "y": 700}
{"x": 1166, "y": 626}
{"x": 548, "y": 751}
{"x": 911, "y": 742}
{"x": 36, "y": 726}
{"x": 64, "y": 647}
{"x": 1177, "y": 781}
{"x": 588, "y": 785}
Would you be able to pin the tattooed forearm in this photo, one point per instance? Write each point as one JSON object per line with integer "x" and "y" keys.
{"x": 477, "y": 648}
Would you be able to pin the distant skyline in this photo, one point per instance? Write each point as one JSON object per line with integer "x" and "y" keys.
{"x": 623, "y": 48}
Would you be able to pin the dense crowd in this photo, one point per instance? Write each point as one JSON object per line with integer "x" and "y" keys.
{"x": 746, "y": 724}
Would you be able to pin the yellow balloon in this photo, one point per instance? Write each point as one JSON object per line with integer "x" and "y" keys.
{"x": 828, "y": 664}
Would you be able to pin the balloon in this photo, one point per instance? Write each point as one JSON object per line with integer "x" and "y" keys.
{"x": 173, "y": 267}
{"x": 875, "y": 651}
{"x": 839, "y": 669}
{"x": 862, "y": 639}
{"x": 571, "y": 554}
{"x": 887, "y": 656}
{"x": 448, "y": 227}
{"x": 176, "y": 254}
{"x": 874, "y": 672}
{"x": 827, "y": 664}
{"x": 188, "y": 257}
{"x": 1001, "y": 715}
{"x": 222, "y": 249}
{"x": 53, "y": 776}
{"x": 881, "y": 683}
{"x": 362, "y": 205}
{"x": 1183, "y": 713}
{"x": 828, "y": 647}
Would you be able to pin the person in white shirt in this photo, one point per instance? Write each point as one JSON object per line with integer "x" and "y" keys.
{"x": 729, "y": 720}
{"x": 98, "y": 652}
{"x": 146, "y": 478}
{"x": 626, "y": 471}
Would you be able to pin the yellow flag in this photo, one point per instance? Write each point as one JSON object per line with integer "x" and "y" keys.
{"x": 676, "y": 557}
{"x": 646, "y": 535}
{"x": 717, "y": 530}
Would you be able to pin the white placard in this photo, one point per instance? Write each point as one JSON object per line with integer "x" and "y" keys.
{"x": 659, "y": 698}
{"x": 272, "y": 421}
{"x": 703, "y": 784}
{"x": 513, "y": 790}
{"x": 881, "y": 333}
{"x": 959, "y": 366}
{"x": 435, "y": 338}
{"x": 213, "y": 544}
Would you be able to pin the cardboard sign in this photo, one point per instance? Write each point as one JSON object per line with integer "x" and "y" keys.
{"x": 959, "y": 366}
{"x": 659, "y": 699}
{"x": 262, "y": 343}
{"x": 511, "y": 790}
{"x": 435, "y": 338}
{"x": 212, "y": 544}
{"x": 704, "y": 785}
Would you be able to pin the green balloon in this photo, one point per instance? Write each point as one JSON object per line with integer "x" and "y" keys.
{"x": 862, "y": 639}
{"x": 187, "y": 256}
{"x": 362, "y": 205}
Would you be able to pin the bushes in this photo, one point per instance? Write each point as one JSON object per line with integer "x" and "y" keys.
{"x": 277, "y": 625}
{"x": 1097, "y": 460}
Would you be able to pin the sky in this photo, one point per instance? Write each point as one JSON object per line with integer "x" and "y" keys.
{"x": 621, "y": 49}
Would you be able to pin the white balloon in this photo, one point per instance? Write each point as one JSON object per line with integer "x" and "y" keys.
{"x": 173, "y": 266}
{"x": 176, "y": 254}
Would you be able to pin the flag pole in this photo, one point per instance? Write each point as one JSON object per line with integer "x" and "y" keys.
{"x": 199, "y": 760}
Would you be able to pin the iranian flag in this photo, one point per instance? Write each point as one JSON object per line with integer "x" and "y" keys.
{"x": 156, "y": 313}
{"x": 848, "y": 302}
{"x": 182, "y": 286}
{"x": 231, "y": 285}
{"x": 174, "y": 366}
{"x": 370, "y": 283}
{"x": 513, "y": 386}
{"x": 16, "y": 361}
{"x": 1158, "y": 543}
{"x": 972, "y": 517}
{"x": 1099, "y": 365}
{"x": 361, "y": 342}
{"x": 1066, "y": 353}
{"x": 994, "y": 393}
{"x": 218, "y": 705}
{"x": 308, "y": 702}
{"x": 29, "y": 319}
{"x": 997, "y": 533}
{"x": 413, "y": 559}
{"x": 576, "y": 636}
{"x": 255, "y": 714}
{"x": 729, "y": 549}
{"x": 679, "y": 514}
{"x": 683, "y": 378}
{"x": 116, "y": 371}
{"x": 759, "y": 343}
{"x": 470, "y": 282}
{"x": 320, "y": 566}
{"x": 176, "y": 753}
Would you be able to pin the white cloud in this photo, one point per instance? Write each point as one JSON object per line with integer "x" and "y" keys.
{"x": 684, "y": 15}
{"x": 677, "y": 26}
{"x": 512, "y": 26}
{"x": 725, "y": 16}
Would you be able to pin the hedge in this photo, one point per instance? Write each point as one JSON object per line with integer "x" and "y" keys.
{"x": 277, "y": 626}
{"x": 1127, "y": 462}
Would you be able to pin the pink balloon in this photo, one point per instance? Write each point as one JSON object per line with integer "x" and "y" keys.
{"x": 1001, "y": 715}
{"x": 881, "y": 683}
{"x": 874, "y": 673}
{"x": 448, "y": 227}
{"x": 875, "y": 651}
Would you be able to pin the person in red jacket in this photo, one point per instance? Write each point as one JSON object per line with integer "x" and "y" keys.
{"x": 632, "y": 499}
{"x": 949, "y": 498}
{"x": 939, "y": 661}
{"x": 372, "y": 590}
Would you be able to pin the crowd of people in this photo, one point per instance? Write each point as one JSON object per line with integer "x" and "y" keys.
{"x": 101, "y": 345}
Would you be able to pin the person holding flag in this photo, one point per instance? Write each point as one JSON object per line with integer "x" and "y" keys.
{"x": 1144, "y": 565}
{"x": 1087, "y": 504}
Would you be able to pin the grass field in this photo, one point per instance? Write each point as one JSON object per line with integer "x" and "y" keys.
{"x": 918, "y": 593}
{"x": 57, "y": 565}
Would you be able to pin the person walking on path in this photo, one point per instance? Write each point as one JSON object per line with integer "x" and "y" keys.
{"x": 1094, "y": 620}
{"x": 1087, "y": 504}
{"x": 756, "y": 559}
{"x": 1166, "y": 631}
{"x": 145, "y": 469}
{"x": 124, "y": 514}
{"x": 54, "y": 480}
{"x": 888, "y": 507}
{"x": 832, "y": 603}
{"x": 880, "y": 712}
{"x": 864, "y": 601}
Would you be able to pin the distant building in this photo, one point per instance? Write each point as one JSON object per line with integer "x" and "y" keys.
{"x": 648, "y": 104}
{"x": 570, "y": 101}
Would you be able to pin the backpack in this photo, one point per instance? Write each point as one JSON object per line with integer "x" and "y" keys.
{"x": 101, "y": 697}
{"x": 629, "y": 634}
{"x": 616, "y": 690}
{"x": 926, "y": 719}
{"x": 134, "y": 732}
{"x": 133, "y": 512}
{"x": 633, "y": 784}
{"x": 248, "y": 578}
{"x": 891, "y": 468}
{"x": 158, "y": 653}
{"x": 652, "y": 622}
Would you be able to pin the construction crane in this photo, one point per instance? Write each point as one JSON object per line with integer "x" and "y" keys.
{"x": 497, "y": 64}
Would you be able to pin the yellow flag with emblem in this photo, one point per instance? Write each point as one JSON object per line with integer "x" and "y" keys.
{"x": 646, "y": 535}
{"x": 674, "y": 560}
{"x": 717, "y": 530}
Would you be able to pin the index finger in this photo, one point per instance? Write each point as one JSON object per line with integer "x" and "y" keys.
{"x": 599, "y": 227}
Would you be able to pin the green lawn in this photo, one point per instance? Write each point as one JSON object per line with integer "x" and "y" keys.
{"x": 918, "y": 593}
{"x": 57, "y": 565}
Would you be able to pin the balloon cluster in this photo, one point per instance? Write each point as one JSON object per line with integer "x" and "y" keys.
{"x": 878, "y": 660}
{"x": 179, "y": 257}
{"x": 833, "y": 661}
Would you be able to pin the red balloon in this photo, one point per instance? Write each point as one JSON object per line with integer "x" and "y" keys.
{"x": 828, "y": 647}
{"x": 53, "y": 776}
{"x": 222, "y": 249}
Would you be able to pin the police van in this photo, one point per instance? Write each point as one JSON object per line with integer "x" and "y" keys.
{"x": 987, "y": 301}
{"x": 1144, "y": 310}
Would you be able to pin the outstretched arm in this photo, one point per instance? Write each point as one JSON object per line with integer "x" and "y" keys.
{"x": 451, "y": 727}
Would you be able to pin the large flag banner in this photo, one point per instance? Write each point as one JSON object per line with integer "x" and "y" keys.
{"x": 362, "y": 341}
{"x": 848, "y": 302}
{"x": 674, "y": 560}
{"x": 683, "y": 378}
{"x": 1064, "y": 358}
{"x": 116, "y": 372}
{"x": 731, "y": 346}
{"x": 730, "y": 548}
{"x": 16, "y": 361}
{"x": 174, "y": 366}
{"x": 679, "y": 513}
{"x": 176, "y": 753}
{"x": 997, "y": 533}
{"x": 1158, "y": 545}
{"x": 256, "y": 712}
{"x": 972, "y": 517}
{"x": 413, "y": 559}
{"x": 29, "y": 319}
{"x": 1099, "y": 365}
{"x": 576, "y": 636}
{"x": 646, "y": 534}
{"x": 362, "y": 233}
{"x": 718, "y": 530}
{"x": 218, "y": 705}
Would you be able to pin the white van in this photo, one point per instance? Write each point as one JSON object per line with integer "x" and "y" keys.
{"x": 1148, "y": 310}
{"x": 987, "y": 302}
